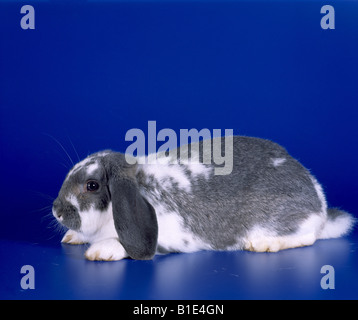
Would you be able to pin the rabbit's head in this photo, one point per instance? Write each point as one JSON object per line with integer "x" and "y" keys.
{"x": 101, "y": 183}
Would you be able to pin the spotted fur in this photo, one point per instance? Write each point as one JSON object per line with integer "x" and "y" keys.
{"x": 269, "y": 202}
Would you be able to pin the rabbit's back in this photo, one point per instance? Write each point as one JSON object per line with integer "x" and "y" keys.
{"x": 267, "y": 189}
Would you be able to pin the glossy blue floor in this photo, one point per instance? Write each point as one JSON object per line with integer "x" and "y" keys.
{"x": 61, "y": 272}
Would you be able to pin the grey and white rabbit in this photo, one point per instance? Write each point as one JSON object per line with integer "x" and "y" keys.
{"x": 269, "y": 202}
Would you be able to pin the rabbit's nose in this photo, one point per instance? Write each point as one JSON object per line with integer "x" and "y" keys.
{"x": 55, "y": 209}
{"x": 57, "y": 214}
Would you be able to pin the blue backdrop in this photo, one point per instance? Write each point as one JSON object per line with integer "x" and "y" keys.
{"x": 90, "y": 71}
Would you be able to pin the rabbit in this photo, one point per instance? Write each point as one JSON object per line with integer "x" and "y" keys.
{"x": 269, "y": 202}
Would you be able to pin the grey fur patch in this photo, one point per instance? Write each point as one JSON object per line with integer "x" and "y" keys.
{"x": 221, "y": 210}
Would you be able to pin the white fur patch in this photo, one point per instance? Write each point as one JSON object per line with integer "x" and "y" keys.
{"x": 197, "y": 169}
{"x": 102, "y": 153}
{"x": 73, "y": 200}
{"x": 173, "y": 236}
{"x": 167, "y": 174}
{"x": 168, "y": 171}
{"x": 164, "y": 173}
{"x": 73, "y": 237}
{"x": 337, "y": 228}
{"x": 97, "y": 228}
{"x": 320, "y": 195}
{"x": 106, "y": 250}
{"x": 95, "y": 225}
{"x": 77, "y": 166}
{"x": 92, "y": 168}
{"x": 262, "y": 240}
{"x": 85, "y": 161}
{"x": 278, "y": 161}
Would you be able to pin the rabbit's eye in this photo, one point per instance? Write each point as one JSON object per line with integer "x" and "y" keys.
{"x": 92, "y": 186}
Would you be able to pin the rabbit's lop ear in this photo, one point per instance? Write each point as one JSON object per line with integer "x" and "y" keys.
{"x": 134, "y": 219}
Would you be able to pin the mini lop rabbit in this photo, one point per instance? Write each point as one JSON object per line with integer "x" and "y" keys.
{"x": 269, "y": 202}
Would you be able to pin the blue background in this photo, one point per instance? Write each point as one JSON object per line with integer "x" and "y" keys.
{"x": 90, "y": 71}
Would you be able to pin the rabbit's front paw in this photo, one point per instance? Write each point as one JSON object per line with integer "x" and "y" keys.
{"x": 73, "y": 237}
{"x": 106, "y": 250}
